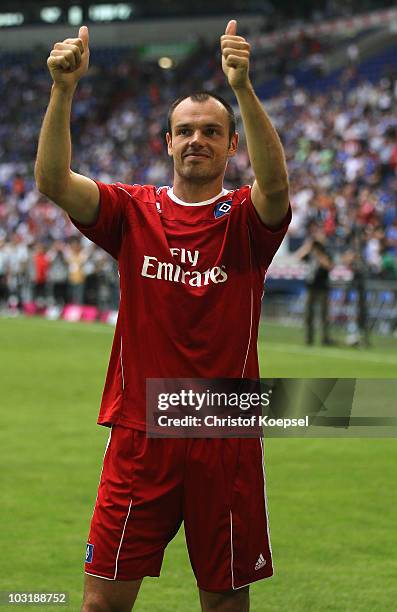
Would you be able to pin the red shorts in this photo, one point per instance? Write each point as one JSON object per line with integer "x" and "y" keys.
{"x": 150, "y": 485}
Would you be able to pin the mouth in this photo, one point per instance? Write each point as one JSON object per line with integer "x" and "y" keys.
{"x": 196, "y": 156}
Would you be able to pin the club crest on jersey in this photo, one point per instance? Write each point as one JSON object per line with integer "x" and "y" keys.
{"x": 222, "y": 208}
{"x": 89, "y": 553}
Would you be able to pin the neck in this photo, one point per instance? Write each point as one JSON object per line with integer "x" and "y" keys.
{"x": 196, "y": 192}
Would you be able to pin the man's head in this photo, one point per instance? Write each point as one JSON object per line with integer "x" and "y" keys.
{"x": 204, "y": 96}
{"x": 201, "y": 136}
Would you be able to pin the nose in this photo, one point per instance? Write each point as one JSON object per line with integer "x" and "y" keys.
{"x": 196, "y": 137}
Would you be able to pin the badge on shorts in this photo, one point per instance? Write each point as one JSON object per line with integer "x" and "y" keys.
{"x": 222, "y": 208}
{"x": 89, "y": 553}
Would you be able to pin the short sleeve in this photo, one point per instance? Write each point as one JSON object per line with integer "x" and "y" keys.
{"x": 266, "y": 240}
{"x": 106, "y": 232}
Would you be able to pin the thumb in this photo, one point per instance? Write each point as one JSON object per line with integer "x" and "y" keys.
{"x": 83, "y": 34}
{"x": 231, "y": 28}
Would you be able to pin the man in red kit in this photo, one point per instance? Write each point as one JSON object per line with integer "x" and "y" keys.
{"x": 192, "y": 260}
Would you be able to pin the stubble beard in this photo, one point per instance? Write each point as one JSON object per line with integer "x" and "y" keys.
{"x": 199, "y": 175}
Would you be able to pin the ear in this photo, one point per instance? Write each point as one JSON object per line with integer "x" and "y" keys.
{"x": 233, "y": 145}
{"x": 168, "y": 138}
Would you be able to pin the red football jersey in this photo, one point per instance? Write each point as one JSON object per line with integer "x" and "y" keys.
{"x": 191, "y": 285}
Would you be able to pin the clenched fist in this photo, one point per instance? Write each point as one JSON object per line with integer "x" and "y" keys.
{"x": 235, "y": 57}
{"x": 68, "y": 61}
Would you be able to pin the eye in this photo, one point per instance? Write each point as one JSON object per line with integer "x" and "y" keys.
{"x": 210, "y": 131}
{"x": 183, "y": 131}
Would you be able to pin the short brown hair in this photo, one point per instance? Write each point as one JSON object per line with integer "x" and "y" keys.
{"x": 203, "y": 96}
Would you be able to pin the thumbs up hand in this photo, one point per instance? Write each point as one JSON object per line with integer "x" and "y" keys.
{"x": 68, "y": 60}
{"x": 235, "y": 57}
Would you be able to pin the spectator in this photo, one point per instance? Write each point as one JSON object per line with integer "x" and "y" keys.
{"x": 17, "y": 257}
{"x": 58, "y": 274}
{"x": 354, "y": 258}
{"x": 391, "y": 238}
{"x": 3, "y": 275}
{"x": 317, "y": 282}
{"x": 388, "y": 266}
{"x": 40, "y": 266}
{"x": 76, "y": 258}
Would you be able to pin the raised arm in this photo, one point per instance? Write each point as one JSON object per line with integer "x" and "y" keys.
{"x": 76, "y": 194}
{"x": 270, "y": 194}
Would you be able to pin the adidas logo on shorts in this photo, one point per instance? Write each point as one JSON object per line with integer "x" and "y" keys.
{"x": 261, "y": 562}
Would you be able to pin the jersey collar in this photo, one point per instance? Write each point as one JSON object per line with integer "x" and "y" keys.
{"x": 174, "y": 198}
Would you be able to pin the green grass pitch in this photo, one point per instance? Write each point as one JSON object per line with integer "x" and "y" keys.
{"x": 332, "y": 502}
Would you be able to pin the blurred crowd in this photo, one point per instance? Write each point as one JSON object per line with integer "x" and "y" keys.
{"x": 341, "y": 148}
{"x": 56, "y": 273}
